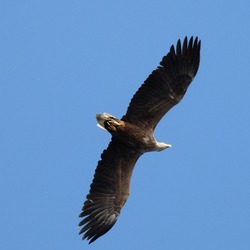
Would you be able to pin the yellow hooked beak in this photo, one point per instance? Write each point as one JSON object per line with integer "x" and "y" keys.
{"x": 109, "y": 119}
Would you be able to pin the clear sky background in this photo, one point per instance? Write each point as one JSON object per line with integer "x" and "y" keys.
{"x": 61, "y": 62}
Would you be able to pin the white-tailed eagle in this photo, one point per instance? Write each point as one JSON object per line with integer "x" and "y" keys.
{"x": 133, "y": 135}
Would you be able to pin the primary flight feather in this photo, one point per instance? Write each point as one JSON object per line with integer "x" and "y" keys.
{"x": 133, "y": 135}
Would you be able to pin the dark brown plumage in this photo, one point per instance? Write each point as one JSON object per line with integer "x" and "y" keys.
{"x": 133, "y": 135}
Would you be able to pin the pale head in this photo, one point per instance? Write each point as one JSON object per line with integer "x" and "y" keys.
{"x": 101, "y": 118}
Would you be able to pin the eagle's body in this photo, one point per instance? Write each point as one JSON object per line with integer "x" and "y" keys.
{"x": 133, "y": 135}
{"x": 140, "y": 139}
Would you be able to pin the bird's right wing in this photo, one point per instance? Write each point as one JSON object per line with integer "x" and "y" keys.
{"x": 109, "y": 190}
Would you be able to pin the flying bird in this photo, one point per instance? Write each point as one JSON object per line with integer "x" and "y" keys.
{"x": 133, "y": 135}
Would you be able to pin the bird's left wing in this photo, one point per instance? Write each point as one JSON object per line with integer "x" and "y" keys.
{"x": 109, "y": 190}
{"x": 166, "y": 85}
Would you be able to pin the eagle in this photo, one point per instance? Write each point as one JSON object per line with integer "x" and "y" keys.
{"x": 133, "y": 135}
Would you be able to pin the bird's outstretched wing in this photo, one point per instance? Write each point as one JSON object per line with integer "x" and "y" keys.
{"x": 109, "y": 190}
{"x": 166, "y": 85}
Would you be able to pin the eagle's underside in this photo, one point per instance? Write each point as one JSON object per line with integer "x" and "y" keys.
{"x": 132, "y": 135}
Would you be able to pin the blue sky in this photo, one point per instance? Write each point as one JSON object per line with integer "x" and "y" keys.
{"x": 62, "y": 62}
